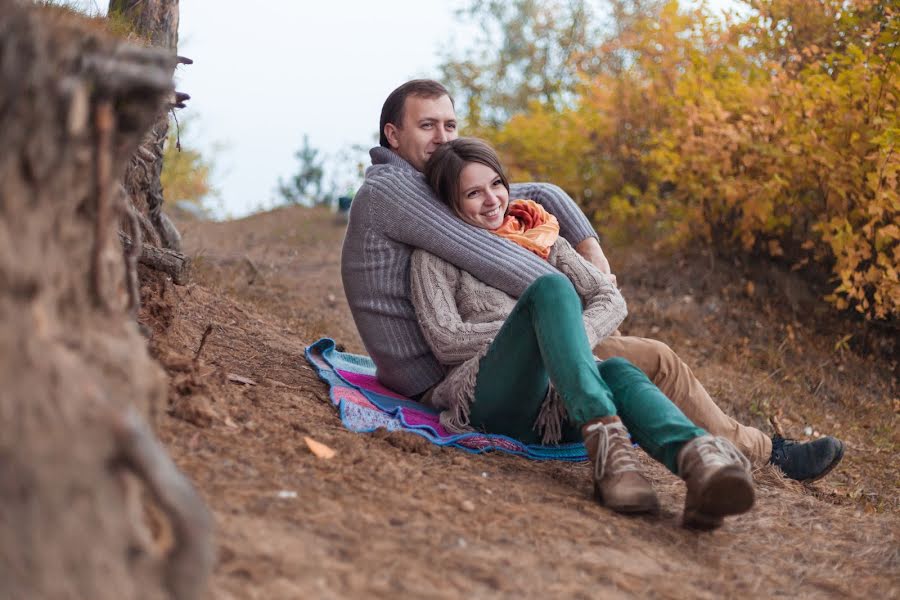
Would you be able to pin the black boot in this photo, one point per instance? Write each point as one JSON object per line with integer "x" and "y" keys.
{"x": 806, "y": 461}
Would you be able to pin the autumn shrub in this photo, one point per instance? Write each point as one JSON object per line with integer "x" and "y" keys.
{"x": 773, "y": 134}
{"x": 186, "y": 175}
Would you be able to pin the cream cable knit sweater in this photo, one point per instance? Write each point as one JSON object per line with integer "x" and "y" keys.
{"x": 460, "y": 315}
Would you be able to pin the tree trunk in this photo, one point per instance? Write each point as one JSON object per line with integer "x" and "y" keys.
{"x": 77, "y": 381}
{"x": 155, "y": 21}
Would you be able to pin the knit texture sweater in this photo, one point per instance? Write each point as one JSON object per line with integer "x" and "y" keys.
{"x": 394, "y": 212}
{"x": 460, "y": 315}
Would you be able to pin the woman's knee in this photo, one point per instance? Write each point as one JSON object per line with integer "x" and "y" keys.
{"x": 552, "y": 288}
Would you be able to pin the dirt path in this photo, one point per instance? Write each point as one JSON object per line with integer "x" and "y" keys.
{"x": 391, "y": 516}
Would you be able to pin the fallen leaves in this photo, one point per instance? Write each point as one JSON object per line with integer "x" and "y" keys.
{"x": 318, "y": 448}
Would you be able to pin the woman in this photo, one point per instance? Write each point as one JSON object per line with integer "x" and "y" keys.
{"x": 525, "y": 369}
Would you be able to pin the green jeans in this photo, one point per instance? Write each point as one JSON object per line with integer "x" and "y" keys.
{"x": 542, "y": 341}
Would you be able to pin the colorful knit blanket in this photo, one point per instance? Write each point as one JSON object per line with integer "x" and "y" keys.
{"x": 365, "y": 405}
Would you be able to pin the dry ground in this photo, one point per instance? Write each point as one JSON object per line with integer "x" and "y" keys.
{"x": 391, "y": 516}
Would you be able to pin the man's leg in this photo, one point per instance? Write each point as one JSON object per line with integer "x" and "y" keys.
{"x": 675, "y": 379}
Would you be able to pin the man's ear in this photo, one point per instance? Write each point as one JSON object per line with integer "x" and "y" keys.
{"x": 390, "y": 132}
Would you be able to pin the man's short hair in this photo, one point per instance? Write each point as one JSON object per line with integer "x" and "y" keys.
{"x": 392, "y": 110}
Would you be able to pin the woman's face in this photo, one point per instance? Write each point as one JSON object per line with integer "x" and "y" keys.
{"x": 482, "y": 198}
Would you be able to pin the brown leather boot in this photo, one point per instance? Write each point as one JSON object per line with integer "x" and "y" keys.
{"x": 618, "y": 482}
{"x": 718, "y": 481}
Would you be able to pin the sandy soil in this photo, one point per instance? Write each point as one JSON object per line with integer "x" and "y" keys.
{"x": 391, "y": 516}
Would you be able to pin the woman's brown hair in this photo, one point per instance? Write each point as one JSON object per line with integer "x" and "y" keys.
{"x": 446, "y": 164}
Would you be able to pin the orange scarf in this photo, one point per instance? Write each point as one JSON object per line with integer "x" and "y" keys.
{"x": 530, "y": 226}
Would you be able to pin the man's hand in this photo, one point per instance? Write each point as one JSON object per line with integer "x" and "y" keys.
{"x": 590, "y": 250}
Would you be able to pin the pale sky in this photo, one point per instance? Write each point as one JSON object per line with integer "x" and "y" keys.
{"x": 265, "y": 75}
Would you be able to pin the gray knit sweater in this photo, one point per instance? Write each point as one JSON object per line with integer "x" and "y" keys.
{"x": 394, "y": 212}
{"x": 460, "y": 316}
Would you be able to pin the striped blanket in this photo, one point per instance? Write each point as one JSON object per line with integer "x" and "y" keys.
{"x": 365, "y": 405}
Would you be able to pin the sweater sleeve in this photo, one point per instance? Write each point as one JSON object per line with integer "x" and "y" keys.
{"x": 604, "y": 306}
{"x": 573, "y": 225}
{"x": 405, "y": 210}
{"x": 433, "y": 285}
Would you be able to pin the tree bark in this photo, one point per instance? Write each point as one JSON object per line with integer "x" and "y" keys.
{"x": 175, "y": 264}
{"x": 156, "y": 21}
{"x": 77, "y": 380}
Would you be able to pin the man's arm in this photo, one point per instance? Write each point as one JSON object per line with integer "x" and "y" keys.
{"x": 573, "y": 225}
{"x": 404, "y": 209}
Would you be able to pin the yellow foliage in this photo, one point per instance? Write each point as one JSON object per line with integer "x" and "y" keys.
{"x": 775, "y": 134}
{"x": 186, "y": 173}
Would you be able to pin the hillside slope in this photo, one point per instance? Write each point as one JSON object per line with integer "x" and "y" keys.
{"x": 391, "y": 516}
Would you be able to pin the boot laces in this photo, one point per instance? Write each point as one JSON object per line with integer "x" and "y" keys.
{"x": 715, "y": 451}
{"x": 613, "y": 450}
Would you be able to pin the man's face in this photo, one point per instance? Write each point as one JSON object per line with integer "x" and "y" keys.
{"x": 427, "y": 123}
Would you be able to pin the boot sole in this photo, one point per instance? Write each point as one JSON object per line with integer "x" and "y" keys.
{"x": 728, "y": 492}
{"x": 629, "y": 509}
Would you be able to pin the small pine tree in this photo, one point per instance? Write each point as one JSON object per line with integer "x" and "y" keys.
{"x": 305, "y": 186}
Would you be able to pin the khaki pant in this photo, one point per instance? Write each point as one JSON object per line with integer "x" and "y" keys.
{"x": 676, "y": 381}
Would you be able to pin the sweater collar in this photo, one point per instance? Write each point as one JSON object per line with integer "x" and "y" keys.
{"x": 385, "y": 156}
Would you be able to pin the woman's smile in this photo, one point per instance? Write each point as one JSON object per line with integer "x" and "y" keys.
{"x": 483, "y": 198}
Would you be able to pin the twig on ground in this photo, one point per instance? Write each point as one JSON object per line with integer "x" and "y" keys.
{"x": 206, "y": 333}
{"x": 252, "y": 268}
{"x": 776, "y": 425}
{"x": 767, "y": 377}
{"x": 818, "y": 387}
{"x": 235, "y": 378}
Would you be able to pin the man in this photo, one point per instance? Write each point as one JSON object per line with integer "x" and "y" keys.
{"x": 395, "y": 211}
